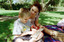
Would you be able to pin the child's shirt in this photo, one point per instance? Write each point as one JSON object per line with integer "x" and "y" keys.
{"x": 61, "y": 23}
{"x": 20, "y": 27}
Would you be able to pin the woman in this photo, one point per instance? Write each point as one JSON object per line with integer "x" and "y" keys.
{"x": 34, "y": 11}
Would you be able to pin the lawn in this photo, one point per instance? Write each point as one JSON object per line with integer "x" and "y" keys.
{"x": 9, "y": 12}
{"x": 50, "y": 18}
{"x": 6, "y": 27}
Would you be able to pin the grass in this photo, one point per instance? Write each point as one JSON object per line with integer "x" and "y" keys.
{"x": 6, "y": 27}
{"x": 9, "y": 12}
{"x": 50, "y": 18}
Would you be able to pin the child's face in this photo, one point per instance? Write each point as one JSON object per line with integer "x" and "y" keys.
{"x": 24, "y": 19}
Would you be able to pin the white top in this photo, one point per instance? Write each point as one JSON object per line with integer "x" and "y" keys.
{"x": 20, "y": 27}
{"x": 61, "y": 23}
{"x": 33, "y": 20}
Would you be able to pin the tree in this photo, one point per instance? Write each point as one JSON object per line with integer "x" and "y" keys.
{"x": 53, "y": 3}
{"x": 42, "y": 3}
{"x": 10, "y": 1}
{"x": 21, "y": 1}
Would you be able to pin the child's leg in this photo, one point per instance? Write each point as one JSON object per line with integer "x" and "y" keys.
{"x": 32, "y": 40}
{"x": 54, "y": 34}
{"x": 26, "y": 41}
{"x": 18, "y": 40}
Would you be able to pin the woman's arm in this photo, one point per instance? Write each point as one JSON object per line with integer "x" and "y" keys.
{"x": 50, "y": 32}
{"x": 37, "y": 24}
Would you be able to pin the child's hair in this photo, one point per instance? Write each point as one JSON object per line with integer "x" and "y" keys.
{"x": 24, "y": 12}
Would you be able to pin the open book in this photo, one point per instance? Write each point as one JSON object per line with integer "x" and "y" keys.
{"x": 37, "y": 33}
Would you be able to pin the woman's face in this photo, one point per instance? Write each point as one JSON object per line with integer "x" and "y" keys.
{"x": 33, "y": 11}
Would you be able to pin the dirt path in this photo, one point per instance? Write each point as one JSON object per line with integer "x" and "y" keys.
{"x": 4, "y": 18}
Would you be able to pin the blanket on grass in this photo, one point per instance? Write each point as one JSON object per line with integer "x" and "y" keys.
{"x": 47, "y": 37}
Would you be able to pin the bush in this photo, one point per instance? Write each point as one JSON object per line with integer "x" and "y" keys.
{"x": 6, "y": 6}
{"x": 18, "y": 6}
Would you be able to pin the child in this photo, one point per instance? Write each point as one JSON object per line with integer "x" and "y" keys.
{"x": 22, "y": 24}
{"x": 22, "y": 27}
{"x": 61, "y": 23}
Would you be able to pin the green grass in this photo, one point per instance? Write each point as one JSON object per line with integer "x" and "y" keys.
{"x": 50, "y": 18}
{"x": 6, "y": 27}
{"x": 9, "y": 12}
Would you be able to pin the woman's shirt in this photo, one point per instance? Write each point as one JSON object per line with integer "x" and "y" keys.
{"x": 33, "y": 20}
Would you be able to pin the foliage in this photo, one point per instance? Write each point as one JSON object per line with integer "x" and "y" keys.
{"x": 9, "y": 12}
{"x": 6, "y": 4}
{"x": 37, "y": 0}
{"x": 54, "y": 4}
{"x": 21, "y": 1}
{"x": 25, "y": 5}
{"x": 6, "y": 30}
{"x": 6, "y": 27}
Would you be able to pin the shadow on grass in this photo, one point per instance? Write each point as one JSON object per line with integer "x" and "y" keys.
{"x": 6, "y": 30}
{"x": 61, "y": 12}
{"x": 46, "y": 20}
{"x": 10, "y": 14}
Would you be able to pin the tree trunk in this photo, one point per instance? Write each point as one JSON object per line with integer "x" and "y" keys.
{"x": 42, "y": 3}
{"x": 60, "y": 2}
{"x": 49, "y": 2}
{"x": 10, "y": 4}
{"x": 10, "y": 1}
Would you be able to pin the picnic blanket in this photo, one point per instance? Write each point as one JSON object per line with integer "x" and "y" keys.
{"x": 47, "y": 37}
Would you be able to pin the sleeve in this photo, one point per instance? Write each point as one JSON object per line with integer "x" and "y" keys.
{"x": 16, "y": 30}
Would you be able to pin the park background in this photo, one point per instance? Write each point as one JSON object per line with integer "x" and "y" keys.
{"x": 52, "y": 12}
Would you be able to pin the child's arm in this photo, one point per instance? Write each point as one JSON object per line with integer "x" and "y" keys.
{"x": 26, "y": 33}
{"x": 23, "y": 34}
{"x": 29, "y": 32}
